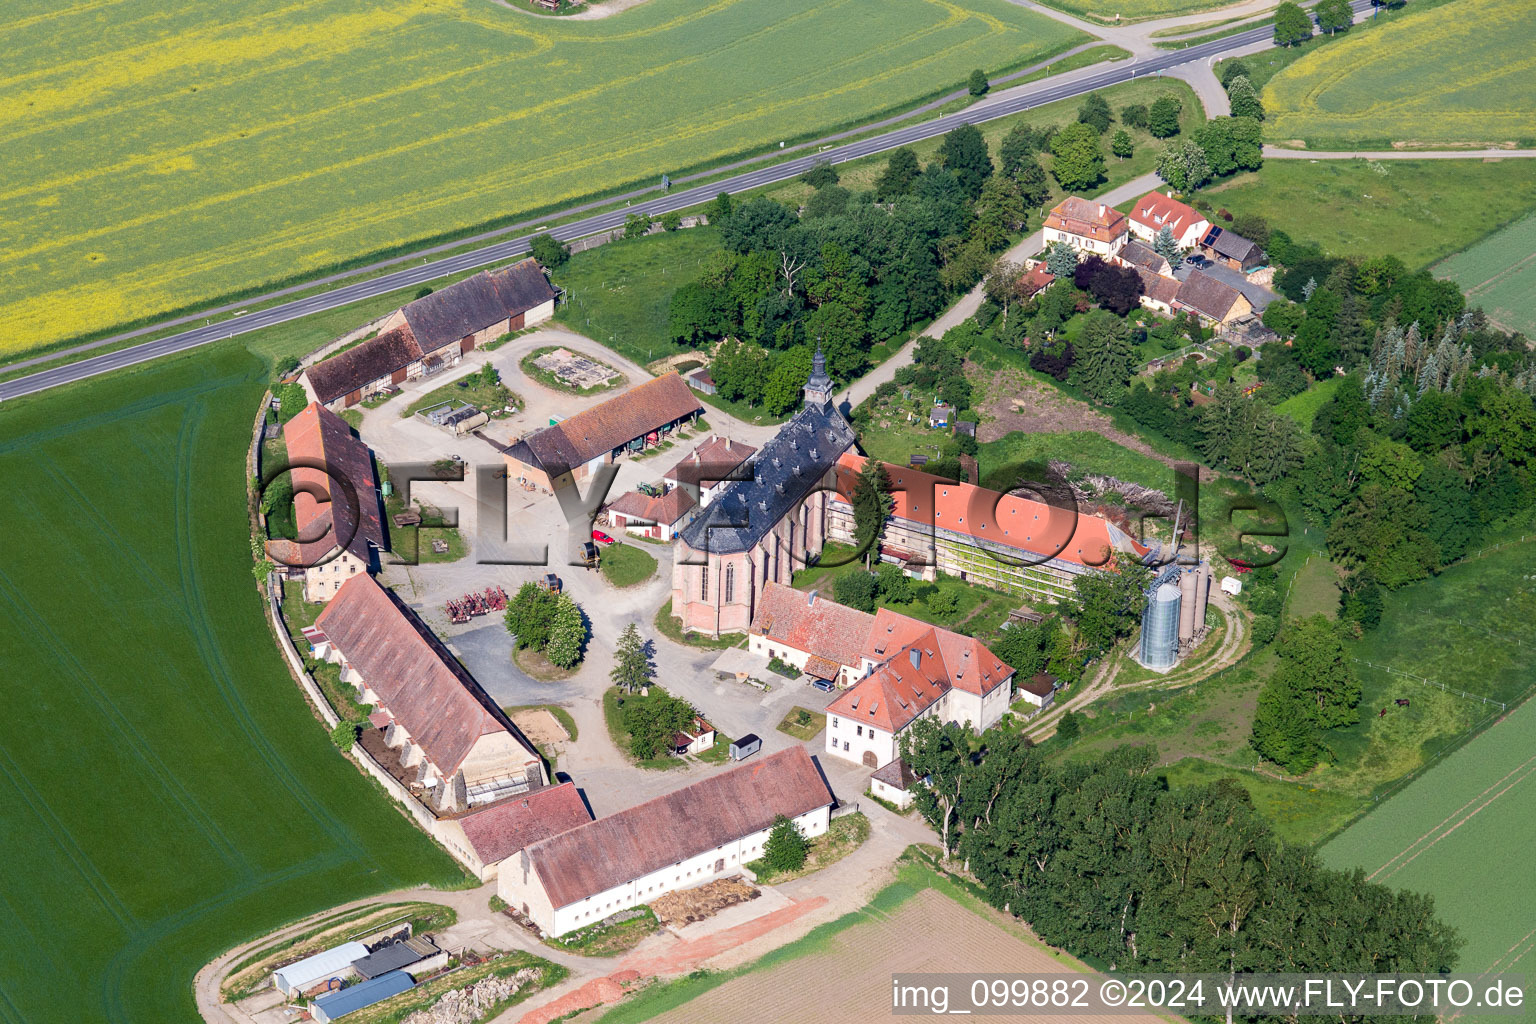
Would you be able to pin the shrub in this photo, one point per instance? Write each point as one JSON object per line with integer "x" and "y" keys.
{"x": 671, "y": 221}
{"x": 1069, "y": 726}
{"x": 978, "y": 83}
{"x": 548, "y": 251}
{"x": 856, "y": 590}
{"x": 944, "y": 603}
{"x": 344, "y": 735}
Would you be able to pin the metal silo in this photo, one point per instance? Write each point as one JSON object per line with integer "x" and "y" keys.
{"x": 1160, "y": 628}
{"x": 1189, "y": 598}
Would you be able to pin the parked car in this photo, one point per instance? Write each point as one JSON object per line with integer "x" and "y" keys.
{"x": 823, "y": 685}
{"x": 601, "y": 537}
{"x": 1198, "y": 261}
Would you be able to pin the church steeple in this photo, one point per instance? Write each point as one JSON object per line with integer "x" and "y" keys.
{"x": 818, "y": 386}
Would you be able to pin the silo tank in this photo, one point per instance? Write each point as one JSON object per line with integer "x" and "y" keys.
{"x": 1160, "y": 628}
{"x": 1189, "y": 583}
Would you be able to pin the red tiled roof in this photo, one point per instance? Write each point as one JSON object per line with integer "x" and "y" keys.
{"x": 667, "y": 509}
{"x": 1087, "y": 218}
{"x": 1155, "y": 209}
{"x": 602, "y": 428}
{"x": 498, "y": 831}
{"x": 431, "y": 696}
{"x": 1004, "y": 519}
{"x": 713, "y": 459}
{"x": 974, "y": 668}
{"x": 822, "y": 668}
{"x": 1036, "y": 279}
{"x": 811, "y": 623}
{"x": 317, "y": 438}
{"x": 916, "y": 674}
{"x": 374, "y": 359}
{"x": 600, "y": 855}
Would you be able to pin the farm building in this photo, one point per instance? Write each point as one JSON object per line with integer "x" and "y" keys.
{"x": 415, "y": 956}
{"x": 762, "y": 529}
{"x": 705, "y": 471}
{"x": 918, "y": 671}
{"x": 1002, "y": 541}
{"x": 1217, "y": 303}
{"x": 1155, "y": 211}
{"x": 1039, "y": 689}
{"x": 433, "y": 333}
{"x": 572, "y": 448}
{"x": 815, "y": 635}
{"x": 335, "y": 504}
{"x": 1140, "y": 256}
{"x": 655, "y": 516}
{"x": 1231, "y": 249}
{"x": 297, "y": 978}
{"x": 360, "y": 996}
{"x": 485, "y": 837}
{"x": 1087, "y": 226}
{"x": 698, "y": 738}
{"x": 702, "y": 382}
{"x": 1158, "y": 292}
{"x": 683, "y": 839}
{"x": 437, "y": 730}
{"x": 893, "y": 783}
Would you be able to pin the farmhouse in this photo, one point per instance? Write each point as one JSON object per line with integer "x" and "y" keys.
{"x": 1158, "y": 292}
{"x": 760, "y": 530}
{"x": 815, "y": 635}
{"x": 1141, "y": 256}
{"x": 1231, "y": 249}
{"x": 919, "y": 671}
{"x": 676, "y": 841}
{"x": 1155, "y": 211}
{"x": 703, "y": 472}
{"x": 999, "y": 540}
{"x": 434, "y": 332}
{"x": 1216, "y": 302}
{"x": 485, "y": 837}
{"x": 335, "y": 505}
{"x": 1087, "y": 226}
{"x": 444, "y": 734}
{"x": 655, "y": 516}
{"x": 570, "y": 450}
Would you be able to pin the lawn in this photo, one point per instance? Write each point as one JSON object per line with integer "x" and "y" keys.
{"x": 1499, "y": 274}
{"x": 613, "y": 717}
{"x": 1459, "y": 833}
{"x": 1303, "y": 407}
{"x": 1461, "y": 75}
{"x": 1418, "y": 210}
{"x": 980, "y": 609}
{"x": 671, "y": 627}
{"x": 157, "y": 157}
{"x": 473, "y": 389}
{"x": 803, "y": 723}
{"x": 1299, "y": 813}
{"x": 842, "y": 837}
{"x": 625, "y": 565}
{"x": 1141, "y": 10}
{"x": 169, "y": 794}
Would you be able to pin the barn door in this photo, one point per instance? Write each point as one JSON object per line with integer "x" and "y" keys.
{"x": 467, "y": 346}
{"x": 516, "y": 323}
{"x": 869, "y": 759}
{"x": 719, "y": 865}
{"x": 354, "y": 398}
{"x": 398, "y": 377}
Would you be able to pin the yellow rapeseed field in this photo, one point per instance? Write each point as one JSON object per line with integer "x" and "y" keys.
{"x": 1454, "y": 74}
{"x": 159, "y": 154}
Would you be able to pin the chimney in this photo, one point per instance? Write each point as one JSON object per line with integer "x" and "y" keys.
{"x": 915, "y": 656}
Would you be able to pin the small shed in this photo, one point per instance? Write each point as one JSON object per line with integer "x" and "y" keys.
{"x": 893, "y": 784}
{"x": 1231, "y": 585}
{"x": 336, "y": 962}
{"x": 940, "y": 415}
{"x": 1039, "y": 689}
{"x": 965, "y": 427}
{"x": 350, "y": 1000}
{"x": 695, "y": 739}
{"x": 395, "y": 956}
{"x": 702, "y": 382}
{"x": 745, "y": 746}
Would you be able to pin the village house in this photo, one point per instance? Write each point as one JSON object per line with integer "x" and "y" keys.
{"x": 1231, "y": 249}
{"x": 760, "y": 530}
{"x": 656, "y": 516}
{"x": 433, "y": 333}
{"x": 1140, "y": 256}
{"x": 435, "y": 729}
{"x": 1035, "y": 280}
{"x": 1158, "y": 292}
{"x": 485, "y": 837}
{"x": 917, "y": 671}
{"x": 1089, "y": 227}
{"x": 683, "y": 839}
{"x": 1156, "y": 210}
{"x": 815, "y": 635}
{"x": 1001, "y": 541}
{"x": 570, "y": 450}
{"x": 1217, "y": 303}
{"x": 336, "y": 507}
{"x": 705, "y": 471}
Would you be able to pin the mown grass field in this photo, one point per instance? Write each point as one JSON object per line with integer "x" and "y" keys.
{"x": 159, "y": 156}
{"x": 1459, "y": 833}
{"x": 1499, "y": 274}
{"x": 1419, "y": 210}
{"x": 1455, "y": 75}
{"x": 1139, "y": 10}
{"x": 166, "y": 793}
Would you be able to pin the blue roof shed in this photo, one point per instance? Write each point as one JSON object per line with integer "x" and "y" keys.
{"x": 348, "y": 1000}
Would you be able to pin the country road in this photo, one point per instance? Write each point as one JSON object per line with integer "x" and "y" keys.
{"x": 1002, "y": 104}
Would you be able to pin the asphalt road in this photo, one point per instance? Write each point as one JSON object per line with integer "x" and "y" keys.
{"x": 1020, "y": 99}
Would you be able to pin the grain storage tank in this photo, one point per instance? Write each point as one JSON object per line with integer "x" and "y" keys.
{"x": 1160, "y": 628}
{"x": 1189, "y": 586}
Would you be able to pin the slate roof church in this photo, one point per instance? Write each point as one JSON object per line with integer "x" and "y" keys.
{"x": 759, "y": 530}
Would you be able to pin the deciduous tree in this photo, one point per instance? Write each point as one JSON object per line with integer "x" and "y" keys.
{"x": 1163, "y": 117}
{"x": 1079, "y": 163}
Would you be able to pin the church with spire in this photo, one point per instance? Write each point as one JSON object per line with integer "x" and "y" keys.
{"x": 769, "y": 521}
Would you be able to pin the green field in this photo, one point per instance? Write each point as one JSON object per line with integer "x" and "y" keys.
{"x": 1087, "y": 451}
{"x": 1459, "y": 833}
{"x": 159, "y": 156}
{"x": 1303, "y": 407}
{"x": 166, "y": 793}
{"x": 1499, "y": 274}
{"x": 1139, "y": 10}
{"x": 1419, "y": 210}
{"x": 1458, "y": 75}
